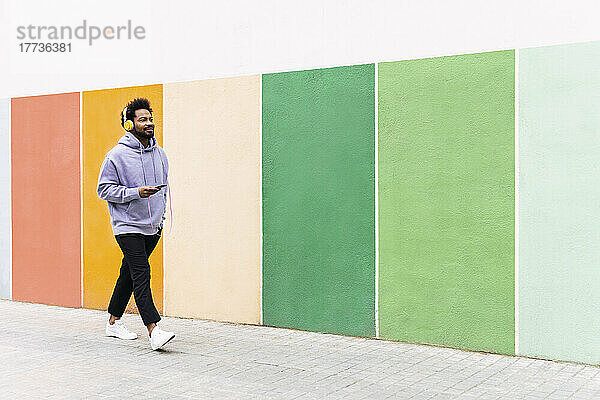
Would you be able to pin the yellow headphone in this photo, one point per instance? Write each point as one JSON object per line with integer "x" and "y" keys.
{"x": 127, "y": 123}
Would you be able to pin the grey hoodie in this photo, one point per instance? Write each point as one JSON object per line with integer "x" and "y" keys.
{"x": 126, "y": 167}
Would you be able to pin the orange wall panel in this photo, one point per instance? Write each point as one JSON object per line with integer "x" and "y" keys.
{"x": 101, "y": 130}
{"x": 46, "y": 202}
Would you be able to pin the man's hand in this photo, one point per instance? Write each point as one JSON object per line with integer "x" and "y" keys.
{"x": 147, "y": 191}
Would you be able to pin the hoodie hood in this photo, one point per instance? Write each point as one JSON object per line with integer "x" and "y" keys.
{"x": 131, "y": 141}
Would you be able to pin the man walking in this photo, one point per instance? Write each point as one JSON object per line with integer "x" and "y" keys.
{"x": 133, "y": 181}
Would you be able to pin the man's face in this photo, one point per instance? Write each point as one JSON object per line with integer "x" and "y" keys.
{"x": 144, "y": 123}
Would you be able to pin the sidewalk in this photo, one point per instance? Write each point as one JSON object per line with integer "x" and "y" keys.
{"x": 50, "y": 352}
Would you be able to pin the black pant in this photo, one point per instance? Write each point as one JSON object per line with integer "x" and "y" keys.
{"x": 135, "y": 276}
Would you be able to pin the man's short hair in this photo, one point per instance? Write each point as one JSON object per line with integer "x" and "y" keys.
{"x": 139, "y": 103}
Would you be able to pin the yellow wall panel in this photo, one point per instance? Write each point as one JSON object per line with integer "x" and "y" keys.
{"x": 102, "y": 256}
{"x": 212, "y": 256}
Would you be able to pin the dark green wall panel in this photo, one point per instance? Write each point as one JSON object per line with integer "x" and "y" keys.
{"x": 318, "y": 200}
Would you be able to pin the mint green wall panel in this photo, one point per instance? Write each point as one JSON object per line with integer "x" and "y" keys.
{"x": 559, "y": 202}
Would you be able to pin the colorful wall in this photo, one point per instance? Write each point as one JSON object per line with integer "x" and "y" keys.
{"x": 447, "y": 200}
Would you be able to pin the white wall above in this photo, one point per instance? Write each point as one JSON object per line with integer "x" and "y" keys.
{"x": 189, "y": 40}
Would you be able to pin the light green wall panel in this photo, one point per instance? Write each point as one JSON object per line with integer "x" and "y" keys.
{"x": 446, "y": 201}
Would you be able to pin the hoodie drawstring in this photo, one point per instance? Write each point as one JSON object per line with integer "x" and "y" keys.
{"x": 168, "y": 188}
{"x": 146, "y": 183}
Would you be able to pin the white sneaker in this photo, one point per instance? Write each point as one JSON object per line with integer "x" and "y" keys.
{"x": 159, "y": 338}
{"x": 119, "y": 330}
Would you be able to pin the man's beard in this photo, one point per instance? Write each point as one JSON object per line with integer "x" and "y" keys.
{"x": 144, "y": 134}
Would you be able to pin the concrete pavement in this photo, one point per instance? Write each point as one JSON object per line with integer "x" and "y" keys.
{"x": 50, "y": 352}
